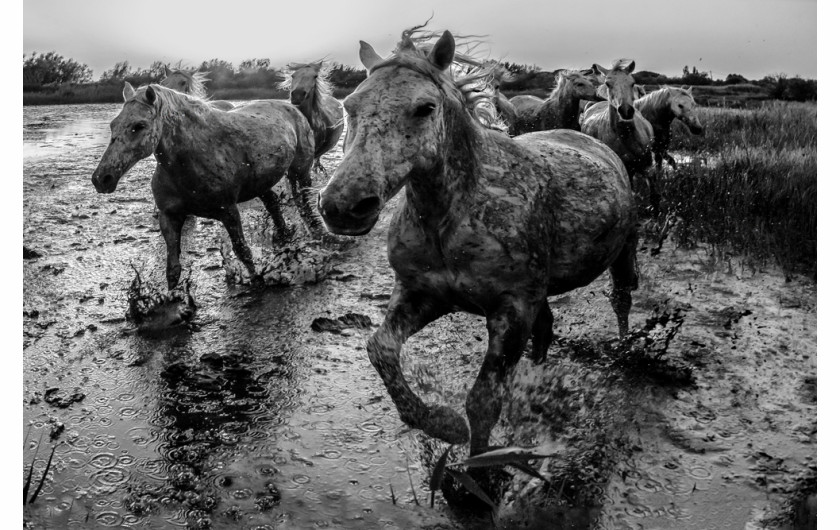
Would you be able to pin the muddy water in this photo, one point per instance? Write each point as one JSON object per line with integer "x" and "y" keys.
{"x": 248, "y": 418}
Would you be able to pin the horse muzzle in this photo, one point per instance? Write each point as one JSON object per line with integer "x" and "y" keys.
{"x": 356, "y": 219}
{"x": 105, "y": 183}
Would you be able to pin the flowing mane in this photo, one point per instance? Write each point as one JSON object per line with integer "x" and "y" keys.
{"x": 661, "y": 97}
{"x": 468, "y": 76}
{"x": 195, "y": 82}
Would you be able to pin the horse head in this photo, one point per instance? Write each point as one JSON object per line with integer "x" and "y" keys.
{"x": 683, "y": 105}
{"x": 399, "y": 125}
{"x": 303, "y": 81}
{"x": 579, "y": 84}
{"x": 620, "y": 87}
{"x": 135, "y": 133}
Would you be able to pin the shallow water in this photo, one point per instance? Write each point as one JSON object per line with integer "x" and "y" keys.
{"x": 249, "y": 418}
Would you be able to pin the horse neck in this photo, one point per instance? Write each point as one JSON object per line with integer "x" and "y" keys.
{"x": 626, "y": 130}
{"x": 439, "y": 197}
{"x": 562, "y": 107}
{"x": 656, "y": 108}
{"x": 178, "y": 121}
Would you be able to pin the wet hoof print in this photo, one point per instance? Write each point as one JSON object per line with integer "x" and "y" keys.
{"x": 152, "y": 310}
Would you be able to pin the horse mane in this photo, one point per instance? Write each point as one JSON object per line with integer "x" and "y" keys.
{"x": 560, "y": 81}
{"x": 468, "y": 76}
{"x": 660, "y": 98}
{"x": 167, "y": 99}
{"x": 195, "y": 82}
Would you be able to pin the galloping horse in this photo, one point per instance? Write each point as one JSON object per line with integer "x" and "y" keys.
{"x": 209, "y": 160}
{"x": 193, "y": 84}
{"x": 561, "y": 109}
{"x": 311, "y": 92}
{"x": 490, "y": 225}
{"x": 616, "y": 122}
{"x": 660, "y": 108}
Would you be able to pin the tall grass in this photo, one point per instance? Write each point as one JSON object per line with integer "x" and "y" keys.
{"x": 752, "y": 188}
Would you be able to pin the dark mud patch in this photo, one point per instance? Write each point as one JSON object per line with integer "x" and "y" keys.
{"x": 62, "y": 398}
{"x": 337, "y": 325}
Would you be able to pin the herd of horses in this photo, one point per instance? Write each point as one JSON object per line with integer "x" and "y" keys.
{"x": 506, "y": 203}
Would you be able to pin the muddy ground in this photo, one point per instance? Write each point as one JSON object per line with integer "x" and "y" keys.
{"x": 251, "y": 417}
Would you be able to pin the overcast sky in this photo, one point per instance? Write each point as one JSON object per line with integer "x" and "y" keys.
{"x": 750, "y": 37}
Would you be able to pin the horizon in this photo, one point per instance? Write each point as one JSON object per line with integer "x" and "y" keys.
{"x": 757, "y": 37}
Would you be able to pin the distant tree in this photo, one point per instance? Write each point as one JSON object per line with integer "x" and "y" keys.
{"x": 51, "y": 68}
{"x": 735, "y": 79}
{"x": 217, "y": 68}
{"x": 793, "y": 89}
{"x": 253, "y": 65}
{"x": 644, "y": 77}
{"x": 694, "y": 77}
{"x": 799, "y": 89}
{"x": 344, "y": 76}
{"x": 121, "y": 71}
{"x": 157, "y": 71}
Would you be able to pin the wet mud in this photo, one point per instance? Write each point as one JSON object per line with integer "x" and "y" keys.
{"x": 259, "y": 408}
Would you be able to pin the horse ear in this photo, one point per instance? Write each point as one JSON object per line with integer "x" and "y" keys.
{"x": 689, "y": 89}
{"x": 564, "y": 72}
{"x": 166, "y": 71}
{"x": 601, "y": 69}
{"x": 368, "y": 55}
{"x": 128, "y": 91}
{"x": 444, "y": 51}
{"x": 631, "y": 66}
{"x": 150, "y": 95}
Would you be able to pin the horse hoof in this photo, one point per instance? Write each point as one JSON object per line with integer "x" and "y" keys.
{"x": 445, "y": 424}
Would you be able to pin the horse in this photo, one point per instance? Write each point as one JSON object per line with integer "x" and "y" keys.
{"x": 504, "y": 108}
{"x": 660, "y": 108}
{"x": 490, "y": 225}
{"x": 209, "y": 160}
{"x": 616, "y": 122}
{"x": 562, "y": 107}
{"x": 311, "y": 92}
{"x": 191, "y": 83}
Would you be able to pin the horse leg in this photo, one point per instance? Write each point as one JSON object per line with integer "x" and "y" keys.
{"x": 229, "y": 217}
{"x": 301, "y": 182}
{"x": 624, "y": 280}
{"x": 542, "y": 333}
{"x": 272, "y": 204}
{"x": 409, "y": 312}
{"x": 170, "y": 226}
{"x": 508, "y": 329}
{"x": 653, "y": 188}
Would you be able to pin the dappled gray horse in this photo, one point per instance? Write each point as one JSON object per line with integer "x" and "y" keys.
{"x": 489, "y": 225}
{"x": 210, "y": 160}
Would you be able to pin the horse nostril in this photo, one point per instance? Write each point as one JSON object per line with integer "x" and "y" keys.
{"x": 365, "y": 207}
{"x": 626, "y": 111}
{"x": 107, "y": 179}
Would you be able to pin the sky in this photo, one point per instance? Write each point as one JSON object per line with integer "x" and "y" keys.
{"x": 753, "y": 38}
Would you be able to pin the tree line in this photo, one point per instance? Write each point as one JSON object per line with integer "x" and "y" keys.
{"x": 50, "y": 70}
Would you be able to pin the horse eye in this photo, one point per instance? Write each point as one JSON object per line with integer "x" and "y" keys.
{"x": 138, "y": 127}
{"x": 424, "y": 110}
